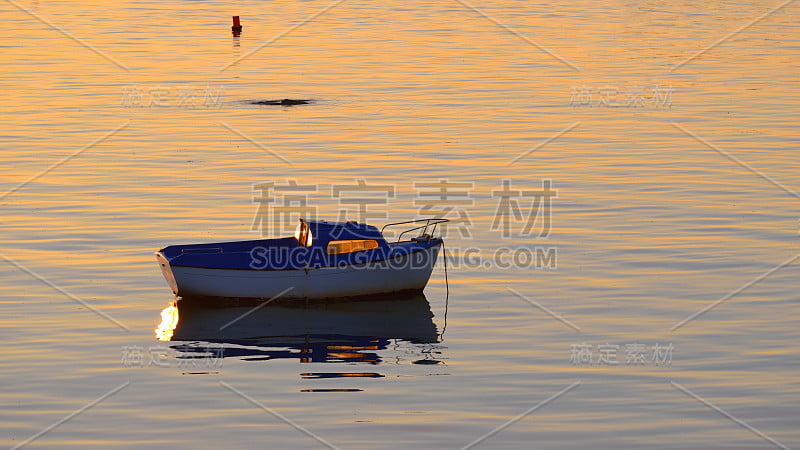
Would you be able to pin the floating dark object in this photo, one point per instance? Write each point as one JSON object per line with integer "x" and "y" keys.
{"x": 237, "y": 27}
{"x": 284, "y": 102}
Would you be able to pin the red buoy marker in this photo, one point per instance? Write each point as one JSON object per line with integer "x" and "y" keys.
{"x": 237, "y": 27}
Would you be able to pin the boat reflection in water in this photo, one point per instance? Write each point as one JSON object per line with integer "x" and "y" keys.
{"x": 342, "y": 331}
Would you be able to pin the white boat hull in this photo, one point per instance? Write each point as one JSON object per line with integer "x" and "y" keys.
{"x": 408, "y": 272}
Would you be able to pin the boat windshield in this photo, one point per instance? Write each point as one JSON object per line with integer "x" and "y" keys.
{"x": 351, "y": 245}
{"x": 303, "y": 234}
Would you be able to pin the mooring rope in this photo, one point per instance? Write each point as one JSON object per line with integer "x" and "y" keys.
{"x": 447, "y": 292}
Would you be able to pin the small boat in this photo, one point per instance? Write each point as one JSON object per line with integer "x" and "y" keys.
{"x": 324, "y": 260}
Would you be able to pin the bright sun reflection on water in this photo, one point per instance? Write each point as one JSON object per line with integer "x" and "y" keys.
{"x": 169, "y": 320}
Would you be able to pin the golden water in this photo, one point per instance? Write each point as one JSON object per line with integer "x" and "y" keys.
{"x": 650, "y": 224}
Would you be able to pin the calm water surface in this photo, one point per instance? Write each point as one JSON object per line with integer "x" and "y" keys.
{"x": 676, "y": 183}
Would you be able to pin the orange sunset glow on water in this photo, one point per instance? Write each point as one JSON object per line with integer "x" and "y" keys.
{"x": 621, "y": 180}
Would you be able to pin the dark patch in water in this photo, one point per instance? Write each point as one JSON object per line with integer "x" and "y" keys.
{"x": 331, "y": 390}
{"x": 284, "y": 102}
{"x": 341, "y": 375}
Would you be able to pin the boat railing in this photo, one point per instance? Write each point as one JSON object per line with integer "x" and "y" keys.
{"x": 428, "y": 223}
{"x": 202, "y": 250}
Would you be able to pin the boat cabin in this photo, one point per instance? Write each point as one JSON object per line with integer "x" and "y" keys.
{"x": 338, "y": 237}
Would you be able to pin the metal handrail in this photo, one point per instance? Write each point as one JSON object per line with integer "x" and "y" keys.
{"x": 428, "y": 222}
